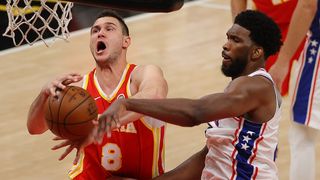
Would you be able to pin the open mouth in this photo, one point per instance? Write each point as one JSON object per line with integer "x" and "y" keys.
{"x": 223, "y": 54}
{"x": 225, "y": 57}
{"x": 101, "y": 47}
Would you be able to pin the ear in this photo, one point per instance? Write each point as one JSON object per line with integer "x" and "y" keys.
{"x": 126, "y": 42}
{"x": 257, "y": 53}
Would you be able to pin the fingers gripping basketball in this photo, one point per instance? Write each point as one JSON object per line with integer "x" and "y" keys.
{"x": 70, "y": 114}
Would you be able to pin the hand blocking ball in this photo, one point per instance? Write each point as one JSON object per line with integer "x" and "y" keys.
{"x": 70, "y": 114}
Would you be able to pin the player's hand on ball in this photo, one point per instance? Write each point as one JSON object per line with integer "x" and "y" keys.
{"x": 60, "y": 83}
{"x": 110, "y": 119}
{"x": 78, "y": 144}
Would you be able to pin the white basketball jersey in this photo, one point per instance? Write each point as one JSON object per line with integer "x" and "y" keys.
{"x": 247, "y": 150}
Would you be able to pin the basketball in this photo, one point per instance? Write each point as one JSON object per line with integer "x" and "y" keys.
{"x": 69, "y": 115}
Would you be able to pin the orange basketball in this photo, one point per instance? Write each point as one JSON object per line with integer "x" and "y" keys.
{"x": 70, "y": 114}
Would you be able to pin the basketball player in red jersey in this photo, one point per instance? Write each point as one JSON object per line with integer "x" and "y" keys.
{"x": 281, "y": 12}
{"x": 134, "y": 150}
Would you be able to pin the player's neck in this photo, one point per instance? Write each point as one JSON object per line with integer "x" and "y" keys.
{"x": 110, "y": 76}
{"x": 252, "y": 67}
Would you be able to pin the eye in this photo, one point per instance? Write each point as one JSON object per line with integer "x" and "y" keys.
{"x": 235, "y": 39}
{"x": 109, "y": 28}
{"x": 94, "y": 30}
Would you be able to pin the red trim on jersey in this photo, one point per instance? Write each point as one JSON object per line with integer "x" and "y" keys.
{"x": 161, "y": 149}
{"x": 255, "y": 174}
{"x": 236, "y": 118}
{"x": 236, "y": 134}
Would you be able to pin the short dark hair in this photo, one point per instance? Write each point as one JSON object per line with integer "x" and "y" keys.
{"x": 114, "y": 14}
{"x": 263, "y": 30}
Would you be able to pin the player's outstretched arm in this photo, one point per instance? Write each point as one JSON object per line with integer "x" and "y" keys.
{"x": 298, "y": 29}
{"x": 36, "y": 123}
{"x": 237, "y": 100}
{"x": 189, "y": 169}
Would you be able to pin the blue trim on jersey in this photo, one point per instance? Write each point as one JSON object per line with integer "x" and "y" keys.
{"x": 275, "y": 154}
{"x": 246, "y": 140}
{"x": 301, "y": 103}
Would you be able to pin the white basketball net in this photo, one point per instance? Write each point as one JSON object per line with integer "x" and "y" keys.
{"x": 29, "y": 23}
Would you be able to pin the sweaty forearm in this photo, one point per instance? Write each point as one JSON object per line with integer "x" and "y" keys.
{"x": 36, "y": 119}
{"x": 175, "y": 111}
{"x": 188, "y": 112}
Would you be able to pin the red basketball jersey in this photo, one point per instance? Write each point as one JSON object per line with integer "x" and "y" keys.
{"x": 281, "y": 12}
{"x": 135, "y": 150}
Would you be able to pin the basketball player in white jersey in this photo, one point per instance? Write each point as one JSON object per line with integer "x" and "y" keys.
{"x": 245, "y": 117}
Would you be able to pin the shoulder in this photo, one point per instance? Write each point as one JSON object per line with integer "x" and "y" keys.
{"x": 149, "y": 79}
{"x": 257, "y": 86}
{"x": 142, "y": 69}
{"x": 143, "y": 72}
{"x": 257, "y": 81}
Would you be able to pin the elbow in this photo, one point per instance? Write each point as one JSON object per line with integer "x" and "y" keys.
{"x": 186, "y": 118}
{"x": 197, "y": 117}
{"x": 196, "y": 121}
{"x": 198, "y": 113}
{"x": 192, "y": 121}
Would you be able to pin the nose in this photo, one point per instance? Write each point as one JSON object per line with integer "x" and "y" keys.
{"x": 101, "y": 33}
{"x": 226, "y": 46}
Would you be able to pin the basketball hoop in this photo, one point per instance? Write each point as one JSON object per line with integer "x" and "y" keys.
{"x": 32, "y": 20}
{"x": 29, "y": 23}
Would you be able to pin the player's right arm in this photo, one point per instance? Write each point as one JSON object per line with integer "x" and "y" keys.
{"x": 237, "y": 6}
{"x": 189, "y": 169}
{"x": 36, "y": 123}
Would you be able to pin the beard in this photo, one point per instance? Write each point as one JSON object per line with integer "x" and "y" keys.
{"x": 235, "y": 69}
